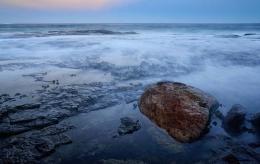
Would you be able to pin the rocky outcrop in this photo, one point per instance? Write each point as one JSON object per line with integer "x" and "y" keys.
{"x": 33, "y": 146}
{"x": 128, "y": 126}
{"x": 234, "y": 119}
{"x": 30, "y": 126}
{"x": 183, "y": 111}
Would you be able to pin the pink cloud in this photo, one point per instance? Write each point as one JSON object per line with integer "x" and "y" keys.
{"x": 62, "y": 4}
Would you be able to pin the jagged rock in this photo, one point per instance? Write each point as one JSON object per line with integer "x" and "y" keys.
{"x": 30, "y": 129}
{"x": 30, "y": 147}
{"x": 128, "y": 126}
{"x": 235, "y": 119}
{"x": 183, "y": 111}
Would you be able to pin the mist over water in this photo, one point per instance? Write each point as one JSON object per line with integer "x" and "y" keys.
{"x": 221, "y": 59}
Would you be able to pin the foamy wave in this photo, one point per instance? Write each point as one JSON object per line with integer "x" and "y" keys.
{"x": 64, "y": 33}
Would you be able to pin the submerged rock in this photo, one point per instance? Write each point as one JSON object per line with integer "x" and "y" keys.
{"x": 249, "y": 34}
{"x": 128, "y": 126}
{"x": 183, "y": 111}
{"x": 234, "y": 119}
{"x": 224, "y": 149}
{"x": 229, "y": 36}
{"x": 231, "y": 159}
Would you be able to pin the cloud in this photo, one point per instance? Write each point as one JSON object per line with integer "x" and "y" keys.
{"x": 62, "y": 4}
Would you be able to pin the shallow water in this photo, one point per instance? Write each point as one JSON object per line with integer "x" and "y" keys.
{"x": 221, "y": 59}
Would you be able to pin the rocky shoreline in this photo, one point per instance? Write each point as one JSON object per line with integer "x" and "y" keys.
{"x": 186, "y": 114}
{"x": 31, "y": 126}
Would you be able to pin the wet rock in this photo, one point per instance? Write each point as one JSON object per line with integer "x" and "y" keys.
{"x": 30, "y": 130}
{"x": 231, "y": 159}
{"x": 18, "y": 94}
{"x": 45, "y": 148}
{"x": 234, "y": 119}
{"x": 5, "y": 98}
{"x": 4, "y": 95}
{"x": 32, "y": 146}
{"x": 55, "y": 82}
{"x": 249, "y": 34}
{"x": 41, "y": 122}
{"x": 5, "y": 110}
{"x": 254, "y": 144}
{"x": 256, "y": 121}
{"x": 28, "y": 106}
{"x": 23, "y": 96}
{"x": 128, "y": 126}
{"x": 7, "y": 130}
{"x": 45, "y": 86}
{"x": 227, "y": 150}
{"x": 229, "y": 36}
{"x": 72, "y": 91}
{"x": 183, "y": 111}
{"x": 47, "y": 145}
{"x": 219, "y": 114}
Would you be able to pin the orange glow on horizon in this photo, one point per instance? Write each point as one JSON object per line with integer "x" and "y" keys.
{"x": 62, "y": 4}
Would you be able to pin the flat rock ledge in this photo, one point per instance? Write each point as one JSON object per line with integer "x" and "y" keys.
{"x": 182, "y": 110}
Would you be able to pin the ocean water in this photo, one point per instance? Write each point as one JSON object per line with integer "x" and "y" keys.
{"x": 221, "y": 59}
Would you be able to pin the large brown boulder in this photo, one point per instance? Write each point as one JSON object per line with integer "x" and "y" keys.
{"x": 183, "y": 111}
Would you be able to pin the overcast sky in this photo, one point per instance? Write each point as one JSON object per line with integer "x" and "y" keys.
{"x": 129, "y": 11}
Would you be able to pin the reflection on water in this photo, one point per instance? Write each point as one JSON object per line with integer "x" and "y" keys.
{"x": 94, "y": 138}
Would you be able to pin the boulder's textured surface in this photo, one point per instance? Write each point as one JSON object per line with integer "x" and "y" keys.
{"x": 183, "y": 111}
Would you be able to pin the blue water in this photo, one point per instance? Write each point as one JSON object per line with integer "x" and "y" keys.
{"x": 221, "y": 59}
